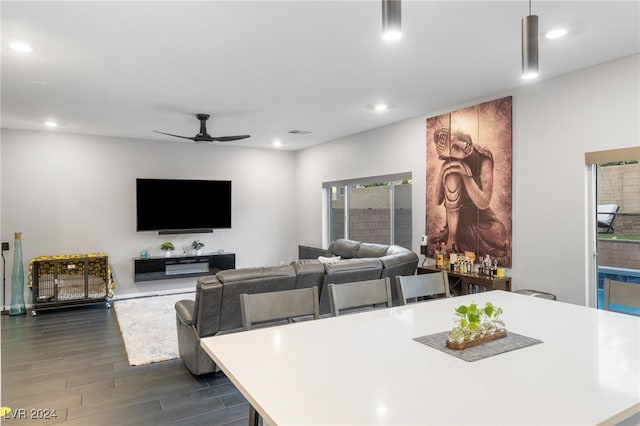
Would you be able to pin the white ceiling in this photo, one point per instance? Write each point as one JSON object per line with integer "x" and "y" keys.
{"x": 267, "y": 67}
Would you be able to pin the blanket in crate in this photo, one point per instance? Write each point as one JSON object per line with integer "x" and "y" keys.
{"x": 99, "y": 271}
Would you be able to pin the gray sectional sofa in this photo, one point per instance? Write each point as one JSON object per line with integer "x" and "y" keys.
{"x": 216, "y": 308}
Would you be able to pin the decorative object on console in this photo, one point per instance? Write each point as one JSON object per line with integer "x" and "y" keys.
{"x": 17, "y": 279}
{"x": 197, "y": 246}
{"x": 144, "y": 253}
{"x": 475, "y": 325}
{"x": 167, "y": 247}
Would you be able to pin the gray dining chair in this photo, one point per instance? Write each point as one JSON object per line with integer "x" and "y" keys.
{"x": 359, "y": 295}
{"x": 278, "y": 306}
{"x": 621, "y": 293}
{"x": 413, "y": 287}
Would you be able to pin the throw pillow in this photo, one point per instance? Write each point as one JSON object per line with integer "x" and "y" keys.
{"x": 333, "y": 259}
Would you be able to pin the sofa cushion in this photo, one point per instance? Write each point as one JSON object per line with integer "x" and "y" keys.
{"x": 309, "y": 273}
{"x": 345, "y": 271}
{"x": 394, "y": 249}
{"x": 250, "y": 280}
{"x": 243, "y": 274}
{"x": 347, "y": 249}
{"x": 372, "y": 250}
{"x": 332, "y": 259}
{"x": 348, "y": 265}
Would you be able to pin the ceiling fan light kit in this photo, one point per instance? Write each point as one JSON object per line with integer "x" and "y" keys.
{"x": 203, "y": 136}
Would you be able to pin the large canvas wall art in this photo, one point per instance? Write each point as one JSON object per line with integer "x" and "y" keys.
{"x": 469, "y": 170}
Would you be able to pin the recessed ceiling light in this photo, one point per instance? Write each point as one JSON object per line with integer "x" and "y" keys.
{"x": 21, "y": 47}
{"x": 51, "y": 124}
{"x": 557, "y": 33}
{"x": 381, "y": 107}
{"x": 277, "y": 143}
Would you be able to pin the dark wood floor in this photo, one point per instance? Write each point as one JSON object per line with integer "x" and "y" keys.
{"x": 73, "y": 361}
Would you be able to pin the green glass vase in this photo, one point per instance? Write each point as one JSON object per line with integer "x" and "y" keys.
{"x": 17, "y": 279}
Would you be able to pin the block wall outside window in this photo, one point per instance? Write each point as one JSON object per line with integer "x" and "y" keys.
{"x": 378, "y": 212}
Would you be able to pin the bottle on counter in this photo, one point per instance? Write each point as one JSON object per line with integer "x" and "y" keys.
{"x": 486, "y": 265}
{"x": 445, "y": 255}
{"x": 453, "y": 254}
{"x": 438, "y": 254}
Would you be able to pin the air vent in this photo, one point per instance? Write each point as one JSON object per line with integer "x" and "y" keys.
{"x": 299, "y": 132}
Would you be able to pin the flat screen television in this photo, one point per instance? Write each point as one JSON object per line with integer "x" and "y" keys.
{"x": 173, "y": 206}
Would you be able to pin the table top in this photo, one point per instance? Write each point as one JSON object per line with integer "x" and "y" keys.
{"x": 366, "y": 368}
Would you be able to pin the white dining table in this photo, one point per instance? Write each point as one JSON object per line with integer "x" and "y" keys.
{"x": 367, "y": 369}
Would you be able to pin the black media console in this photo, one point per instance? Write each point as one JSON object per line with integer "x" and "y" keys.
{"x": 163, "y": 268}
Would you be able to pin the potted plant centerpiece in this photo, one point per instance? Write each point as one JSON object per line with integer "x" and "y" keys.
{"x": 197, "y": 246}
{"x": 475, "y": 325}
{"x": 167, "y": 247}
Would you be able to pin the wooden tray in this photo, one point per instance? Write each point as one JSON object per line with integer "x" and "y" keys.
{"x": 484, "y": 339}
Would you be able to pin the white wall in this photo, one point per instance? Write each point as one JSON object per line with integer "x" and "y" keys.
{"x": 554, "y": 123}
{"x": 75, "y": 194}
{"x": 69, "y": 193}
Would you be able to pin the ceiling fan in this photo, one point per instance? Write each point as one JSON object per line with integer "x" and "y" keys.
{"x": 203, "y": 136}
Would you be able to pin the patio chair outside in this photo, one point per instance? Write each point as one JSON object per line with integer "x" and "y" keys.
{"x": 606, "y": 216}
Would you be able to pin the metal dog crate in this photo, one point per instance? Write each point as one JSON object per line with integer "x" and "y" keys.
{"x": 74, "y": 280}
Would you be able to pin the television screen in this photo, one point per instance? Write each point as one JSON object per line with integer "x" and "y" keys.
{"x": 182, "y": 205}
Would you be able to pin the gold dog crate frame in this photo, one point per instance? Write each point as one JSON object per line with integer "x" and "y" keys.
{"x": 76, "y": 280}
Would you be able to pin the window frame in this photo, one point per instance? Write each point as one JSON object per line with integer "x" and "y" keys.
{"x": 345, "y": 186}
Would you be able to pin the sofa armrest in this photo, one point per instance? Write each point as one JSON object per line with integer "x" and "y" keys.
{"x": 393, "y": 260}
{"x": 346, "y": 249}
{"x": 206, "y": 310}
{"x": 184, "y": 311}
{"x": 372, "y": 250}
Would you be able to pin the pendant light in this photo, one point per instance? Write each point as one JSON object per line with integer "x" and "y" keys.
{"x": 530, "y": 45}
{"x": 391, "y": 20}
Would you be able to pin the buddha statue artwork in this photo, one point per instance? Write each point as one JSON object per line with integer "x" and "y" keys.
{"x": 469, "y": 195}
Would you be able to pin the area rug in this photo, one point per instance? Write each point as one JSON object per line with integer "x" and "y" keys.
{"x": 148, "y": 327}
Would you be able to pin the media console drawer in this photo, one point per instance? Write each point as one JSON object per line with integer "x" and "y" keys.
{"x": 162, "y": 268}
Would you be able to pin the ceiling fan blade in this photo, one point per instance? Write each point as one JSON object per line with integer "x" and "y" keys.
{"x": 177, "y": 136}
{"x": 230, "y": 138}
{"x": 203, "y": 136}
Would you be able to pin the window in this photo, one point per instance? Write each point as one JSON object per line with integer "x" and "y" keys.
{"x": 616, "y": 210}
{"x": 375, "y": 209}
